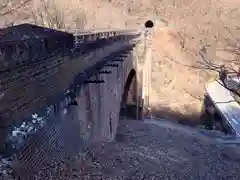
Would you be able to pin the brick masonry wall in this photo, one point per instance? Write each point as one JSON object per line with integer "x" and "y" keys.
{"x": 41, "y": 81}
{"x": 31, "y": 85}
{"x": 94, "y": 119}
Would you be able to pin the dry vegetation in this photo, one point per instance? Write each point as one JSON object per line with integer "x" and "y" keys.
{"x": 197, "y": 31}
{"x": 199, "y": 34}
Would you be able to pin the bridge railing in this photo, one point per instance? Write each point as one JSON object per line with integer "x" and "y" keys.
{"x": 39, "y": 66}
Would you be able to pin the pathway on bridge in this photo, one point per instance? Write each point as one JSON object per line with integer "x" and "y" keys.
{"x": 153, "y": 150}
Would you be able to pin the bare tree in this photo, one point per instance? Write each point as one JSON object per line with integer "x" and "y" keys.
{"x": 12, "y": 10}
{"x": 50, "y": 15}
{"x": 9, "y": 6}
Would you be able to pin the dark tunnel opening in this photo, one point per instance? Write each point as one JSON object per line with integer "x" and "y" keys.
{"x": 129, "y": 107}
{"x": 149, "y": 24}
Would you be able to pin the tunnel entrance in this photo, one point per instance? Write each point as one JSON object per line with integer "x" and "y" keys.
{"x": 129, "y": 107}
{"x": 149, "y": 24}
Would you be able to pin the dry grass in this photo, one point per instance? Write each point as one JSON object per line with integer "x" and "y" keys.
{"x": 207, "y": 27}
{"x": 197, "y": 31}
{"x": 194, "y": 27}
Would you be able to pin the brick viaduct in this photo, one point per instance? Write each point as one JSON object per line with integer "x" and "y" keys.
{"x": 61, "y": 92}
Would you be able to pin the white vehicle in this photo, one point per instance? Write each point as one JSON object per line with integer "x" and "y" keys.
{"x": 221, "y": 109}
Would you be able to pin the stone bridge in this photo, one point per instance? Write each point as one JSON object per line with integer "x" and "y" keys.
{"x": 62, "y": 92}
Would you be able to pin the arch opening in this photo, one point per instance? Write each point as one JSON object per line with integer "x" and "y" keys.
{"x": 129, "y": 106}
{"x": 149, "y": 24}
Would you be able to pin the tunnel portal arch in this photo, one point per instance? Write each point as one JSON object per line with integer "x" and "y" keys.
{"x": 129, "y": 105}
{"x": 149, "y": 24}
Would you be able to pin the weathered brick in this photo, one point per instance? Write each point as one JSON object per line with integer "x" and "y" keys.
{"x": 30, "y": 86}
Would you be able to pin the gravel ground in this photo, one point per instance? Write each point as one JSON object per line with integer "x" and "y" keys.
{"x": 152, "y": 150}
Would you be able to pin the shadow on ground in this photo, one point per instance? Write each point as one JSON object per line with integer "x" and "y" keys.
{"x": 190, "y": 119}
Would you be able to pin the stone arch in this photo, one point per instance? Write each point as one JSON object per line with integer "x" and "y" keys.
{"x": 129, "y": 96}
